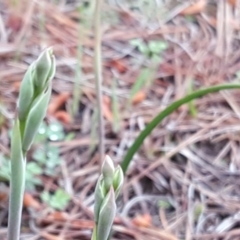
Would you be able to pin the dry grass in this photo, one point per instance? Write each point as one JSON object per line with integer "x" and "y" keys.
{"x": 184, "y": 182}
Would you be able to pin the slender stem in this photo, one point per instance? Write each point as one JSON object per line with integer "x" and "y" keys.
{"x": 168, "y": 110}
{"x": 98, "y": 75}
{"x": 94, "y": 234}
{"x": 17, "y": 185}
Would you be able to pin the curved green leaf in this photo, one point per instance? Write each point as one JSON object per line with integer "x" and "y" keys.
{"x": 158, "y": 119}
{"x": 34, "y": 119}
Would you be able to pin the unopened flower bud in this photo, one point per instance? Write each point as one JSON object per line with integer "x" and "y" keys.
{"x": 44, "y": 70}
{"x": 108, "y": 172}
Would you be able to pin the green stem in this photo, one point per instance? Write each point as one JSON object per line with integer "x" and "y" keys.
{"x": 94, "y": 234}
{"x": 17, "y": 185}
{"x": 158, "y": 119}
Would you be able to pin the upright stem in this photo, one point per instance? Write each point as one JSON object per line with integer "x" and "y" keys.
{"x": 98, "y": 75}
{"x": 17, "y": 185}
{"x": 94, "y": 234}
{"x": 34, "y": 95}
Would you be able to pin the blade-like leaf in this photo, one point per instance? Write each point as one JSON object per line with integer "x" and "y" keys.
{"x": 26, "y": 94}
{"x": 99, "y": 195}
{"x": 106, "y": 216}
{"x": 158, "y": 119}
{"x": 35, "y": 117}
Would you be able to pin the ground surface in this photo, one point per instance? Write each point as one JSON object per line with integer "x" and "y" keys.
{"x": 184, "y": 181}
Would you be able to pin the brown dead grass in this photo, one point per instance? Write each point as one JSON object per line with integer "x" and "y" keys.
{"x": 189, "y": 165}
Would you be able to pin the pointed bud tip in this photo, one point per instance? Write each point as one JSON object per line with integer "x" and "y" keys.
{"x": 44, "y": 69}
{"x": 108, "y": 166}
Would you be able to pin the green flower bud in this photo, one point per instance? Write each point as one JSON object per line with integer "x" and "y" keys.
{"x": 26, "y": 94}
{"x": 35, "y": 117}
{"x": 118, "y": 180}
{"x": 108, "y": 172}
{"x": 44, "y": 70}
{"x": 35, "y": 81}
{"x": 106, "y": 216}
{"x": 99, "y": 195}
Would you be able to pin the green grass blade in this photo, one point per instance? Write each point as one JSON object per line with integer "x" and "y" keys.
{"x": 143, "y": 79}
{"x": 167, "y": 111}
{"x": 191, "y": 105}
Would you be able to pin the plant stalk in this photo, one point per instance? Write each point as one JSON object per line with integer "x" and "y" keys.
{"x": 98, "y": 75}
{"x": 17, "y": 186}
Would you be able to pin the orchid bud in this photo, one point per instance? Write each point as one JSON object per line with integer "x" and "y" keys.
{"x": 44, "y": 70}
{"x": 108, "y": 172}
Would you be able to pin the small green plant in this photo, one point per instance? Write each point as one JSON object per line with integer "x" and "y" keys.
{"x": 45, "y": 157}
{"x": 34, "y": 96}
{"x": 32, "y": 171}
{"x": 107, "y": 190}
{"x": 52, "y": 132}
{"x": 59, "y": 200}
{"x": 143, "y": 81}
{"x": 48, "y": 159}
{"x": 151, "y": 49}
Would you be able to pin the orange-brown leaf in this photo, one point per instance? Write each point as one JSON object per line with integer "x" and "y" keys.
{"x": 144, "y": 220}
{"x": 233, "y": 2}
{"x": 3, "y": 196}
{"x": 117, "y": 64}
{"x": 82, "y": 224}
{"x": 30, "y": 201}
{"x": 17, "y": 85}
{"x": 14, "y": 22}
{"x": 57, "y": 102}
{"x": 48, "y": 236}
{"x": 57, "y": 216}
{"x": 139, "y": 97}
{"x": 195, "y": 8}
{"x": 107, "y": 113}
{"x": 63, "y": 116}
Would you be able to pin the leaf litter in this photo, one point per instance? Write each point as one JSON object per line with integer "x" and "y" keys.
{"x": 184, "y": 181}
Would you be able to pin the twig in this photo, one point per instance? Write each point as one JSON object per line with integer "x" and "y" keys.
{"x": 98, "y": 75}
